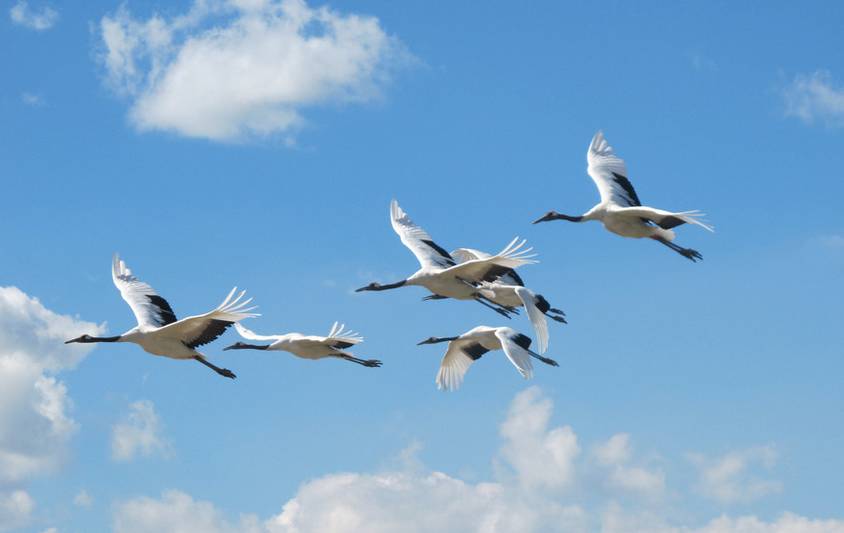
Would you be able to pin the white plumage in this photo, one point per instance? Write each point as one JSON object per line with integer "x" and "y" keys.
{"x": 440, "y": 273}
{"x": 307, "y": 346}
{"x": 159, "y": 332}
{"x": 467, "y": 348}
{"x": 620, "y": 209}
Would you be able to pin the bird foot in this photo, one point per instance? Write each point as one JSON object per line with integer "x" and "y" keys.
{"x": 226, "y": 373}
{"x": 693, "y": 255}
{"x": 372, "y": 363}
{"x": 549, "y": 361}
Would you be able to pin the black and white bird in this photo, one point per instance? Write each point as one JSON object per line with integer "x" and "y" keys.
{"x": 159, "y": 332}
{"x": 307, "y": 346}
{"x": 620, "y": 209}
{"x": 467, "y": 348}
{"x": 441, "y": 274}
{"x": 508, "y": 291}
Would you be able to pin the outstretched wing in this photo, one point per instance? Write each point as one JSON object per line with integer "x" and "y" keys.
{"x": 458, "y": 358}
{"x": 507, "y": 276}
{"x": 427, "y": 252}
{"x": 537, "y": 317}
{"x": 252, "y": 336}
{"x": 198, "y": 330}
{"x": 476, "y": 270}
{"x": 609, "y": 173}
{"x": 341, "y": 338}
{"x": 666, "y": 219}
{"x": 515, "y": 346}
{"x": 150, "y": 309}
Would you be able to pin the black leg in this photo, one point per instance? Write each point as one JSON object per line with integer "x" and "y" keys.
{"x": 546, "y": 360}
{"x": 557, "y": 318}
{"x": 225, "y": 372}
{"x": 371, "y": 363}
{"x": 692, "y": 255}
{"x": 434, "y": 297}
{"x": 499, "y": 310}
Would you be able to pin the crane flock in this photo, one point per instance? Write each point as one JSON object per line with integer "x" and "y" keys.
{"x": 463, "y": 274}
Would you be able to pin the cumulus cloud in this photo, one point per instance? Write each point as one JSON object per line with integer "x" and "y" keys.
{"x": 412, "y": 498}
{"x": 815, "y": 98}
{"x": 730, "y": 478}
{"x": 615, "y": 455}
{"x": 34, "y": 19}
{"x": 139, "y": 434}
{"x": 34, "y": 421}
{"x": 233, "y": 69}
{"x": 15, "y": 509}
{"x": 177, "y": 512}
{"x": 539, "y": 456}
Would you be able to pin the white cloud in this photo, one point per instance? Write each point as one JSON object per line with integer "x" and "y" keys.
{"x": 814, "y": 98}
{"x": 176, "y": 512}
{"x": 15, "y": 509}
{"x": 414, "y": 499}
{"x": 728, "y": 478}
{"x": 139, "y": 434}
{"x": 40, "y": 20}
{"x": 230, "y": 70}
{"x": 83, "y": 499}
{"x": 540, "y": 458}
{"x": 32, "y": 99}
{"x": 615, "y": 455}
{"x": 34, "y": 421}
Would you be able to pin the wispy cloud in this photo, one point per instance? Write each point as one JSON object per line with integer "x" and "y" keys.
{"x": 733, "y": 477}
{"x": 260, "y": 64}
{"x": 410, "y": 497}
{"x": 15, "y": 509}
{"x": 83, "y": 499}
{"x": 32, "y": 99}
{"x": 815, "y": 98}
{"x": 139, "y": 434}
{"x": 35, "y": 19}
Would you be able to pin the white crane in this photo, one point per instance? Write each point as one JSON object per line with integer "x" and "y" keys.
{"x": 159, "y": 332}
{"x": 307, "y": 346}
{"x": 620, "y": 209}
{"x": 467, "y": 348}
{"x": 508, "y": 291}
{"x": 440, "y": 273}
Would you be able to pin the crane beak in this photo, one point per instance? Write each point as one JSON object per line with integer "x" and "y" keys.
{"x": 544, "y": 218}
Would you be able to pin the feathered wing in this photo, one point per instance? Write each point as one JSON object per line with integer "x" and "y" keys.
{"x": 150, "y": 310}
{"x": 507, "y": 276}
{"x": 251, "y": 335}
{"x": 427, "y": 252}
{"x": 458, "y": 358}
{"x": 512, "y": 256}
{"x": 666, "y": 219}
{"x": 340, "y": 338}
{"x": 537, "y": 317}
{"x": 518, "y": 355}
{"x": 609, "y": 173}
{"x": 198, "y": 330}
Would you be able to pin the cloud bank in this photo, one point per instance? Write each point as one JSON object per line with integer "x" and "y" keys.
{"x": 35, "y": 424}
{"x": 229, "y": 70}
{"x": 608, "y": 490}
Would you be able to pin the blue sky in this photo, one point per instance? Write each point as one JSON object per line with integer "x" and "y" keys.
{"x": 722, "y": 378}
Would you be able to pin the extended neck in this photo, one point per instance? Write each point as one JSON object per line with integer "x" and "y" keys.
{"x": 89, "y": 339}
{"x": 374, "y": 286}
{"x": 244, "y": 346}
{"x": 553, "y": 215}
